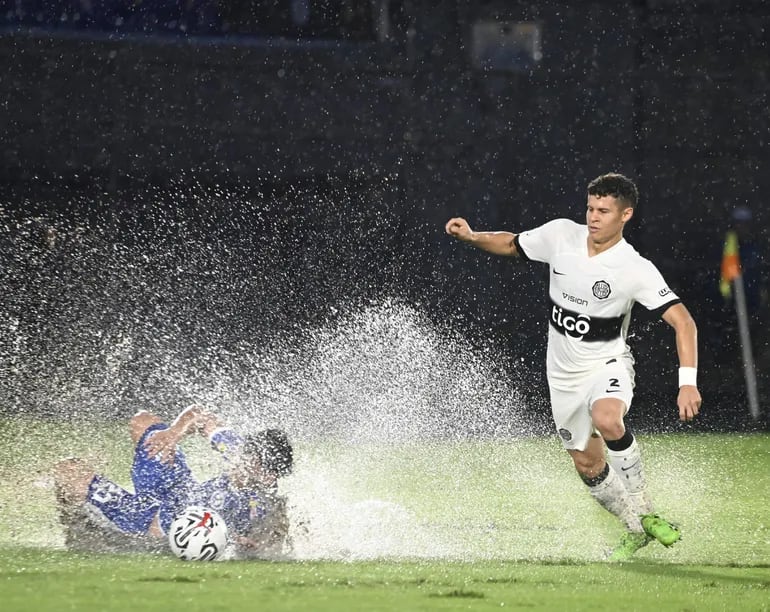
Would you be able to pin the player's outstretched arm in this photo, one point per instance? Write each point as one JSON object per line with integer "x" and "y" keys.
{"x": 268, "y": 537}
{"x": 689, "y": 399}
{"x": 193, "y": 419}
{"x": 497, "y": 243}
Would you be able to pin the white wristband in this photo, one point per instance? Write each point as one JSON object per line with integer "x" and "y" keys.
{"x": 688, "y": 376}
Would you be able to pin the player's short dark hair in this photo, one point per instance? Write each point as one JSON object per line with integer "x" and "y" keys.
{"x": 273, "y": 448}
{"x": 615, "y": 185}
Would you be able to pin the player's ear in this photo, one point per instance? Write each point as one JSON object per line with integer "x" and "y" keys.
{"x": 628, "y": 212}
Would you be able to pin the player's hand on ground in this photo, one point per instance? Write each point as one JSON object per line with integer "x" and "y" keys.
{"x": 162, "y": 445}
{"x": 459, "y": 228}
{"x": 689, "y": 402}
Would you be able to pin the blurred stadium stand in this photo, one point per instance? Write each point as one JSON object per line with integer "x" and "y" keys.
{"x": 673, "y": 92}
{"x": 301, "y": 18}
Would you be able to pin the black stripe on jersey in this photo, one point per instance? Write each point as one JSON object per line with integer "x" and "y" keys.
{"x": 582, "y": 327}
{"x": 658, "y": 312}
{"x": 521, "y": 252}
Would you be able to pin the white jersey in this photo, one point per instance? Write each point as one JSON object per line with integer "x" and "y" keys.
{"x": 590, "y": 297}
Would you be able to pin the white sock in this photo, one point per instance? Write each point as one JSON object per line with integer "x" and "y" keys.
{"x": 615, "y": 498}
{"x": 628, "y": 465}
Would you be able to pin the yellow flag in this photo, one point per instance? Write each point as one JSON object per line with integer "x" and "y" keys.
{"x": 731, "y": 264}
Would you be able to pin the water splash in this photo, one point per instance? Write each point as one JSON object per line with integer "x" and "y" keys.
{"x": 217, "y": 299}
{"x": 386, "y": 374}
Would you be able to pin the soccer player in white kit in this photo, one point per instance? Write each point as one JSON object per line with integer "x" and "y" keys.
{"x": 595, "y": 278}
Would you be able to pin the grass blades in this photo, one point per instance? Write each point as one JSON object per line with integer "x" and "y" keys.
{"x": 419, "y": 526}
{"x": 42, "y": 581}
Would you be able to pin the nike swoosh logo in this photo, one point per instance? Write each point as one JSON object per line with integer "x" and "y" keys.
{"x": 625, "y": 469}
{"x": 613, "y": 390}
{"x": 559, "y": 273}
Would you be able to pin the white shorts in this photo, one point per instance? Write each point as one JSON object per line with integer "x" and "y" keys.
{"x": 571, "y": 400}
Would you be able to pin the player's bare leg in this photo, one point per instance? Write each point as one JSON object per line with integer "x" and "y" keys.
{"x": 622, "y": 451}
{"x": 83, "y": 528}
{"x": 607, "y": 489}
{"x": 71, "y": 479}
{"x": 625, "y": 461}
{"x": 604, "y": 484}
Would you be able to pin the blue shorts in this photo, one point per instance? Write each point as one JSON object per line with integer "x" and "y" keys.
{"x": 158, "y": 487}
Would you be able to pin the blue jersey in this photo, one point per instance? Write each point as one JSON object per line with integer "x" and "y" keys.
{"x": 165, "y": 489}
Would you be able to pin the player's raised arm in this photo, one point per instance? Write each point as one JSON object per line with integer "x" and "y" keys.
{"x": 194, "y": 419}
{"x": 497, "y": 243}
{"x": 689, "y": 399}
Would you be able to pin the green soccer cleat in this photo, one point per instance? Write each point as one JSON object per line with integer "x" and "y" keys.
{"x": 660, "y": 529}
{"x": 629, "y": 544}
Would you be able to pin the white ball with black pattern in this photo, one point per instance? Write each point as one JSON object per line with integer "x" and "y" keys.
{"x": 198, "y": 534}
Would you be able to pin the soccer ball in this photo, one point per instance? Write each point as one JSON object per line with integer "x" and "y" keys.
{"x": 198, "y": 534}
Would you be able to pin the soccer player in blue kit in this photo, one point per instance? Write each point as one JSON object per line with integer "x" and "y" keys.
{"x": 595, "y": 278}
{"x": 98, "y": 513}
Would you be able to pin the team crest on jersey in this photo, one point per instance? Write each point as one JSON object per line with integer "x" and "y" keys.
{"x": 217, "y": 500}
{"x": 601, "y": 289}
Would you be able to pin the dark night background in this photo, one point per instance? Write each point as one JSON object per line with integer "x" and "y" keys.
{"x": 244, "y": 170}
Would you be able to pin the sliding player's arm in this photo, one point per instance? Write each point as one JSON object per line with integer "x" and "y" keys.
{"x": 268, "y": 536}
{"x": 222, "y": 438}
{"x": 194, "y": 419}
{"x": 497, "y": 243}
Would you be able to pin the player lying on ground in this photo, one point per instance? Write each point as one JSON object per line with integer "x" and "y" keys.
{"x": 595, "y": 277}
{"x": 98, "y": 514}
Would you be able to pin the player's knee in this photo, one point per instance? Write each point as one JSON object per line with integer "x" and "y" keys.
{"x": 607, "y": 417}
{"x": 611, "y": 430}
{"x": 70, "y": 468}
{"x": 140, "y": 422}
{"x": 609, "y": 425}
{"x": 72, "y": 477}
